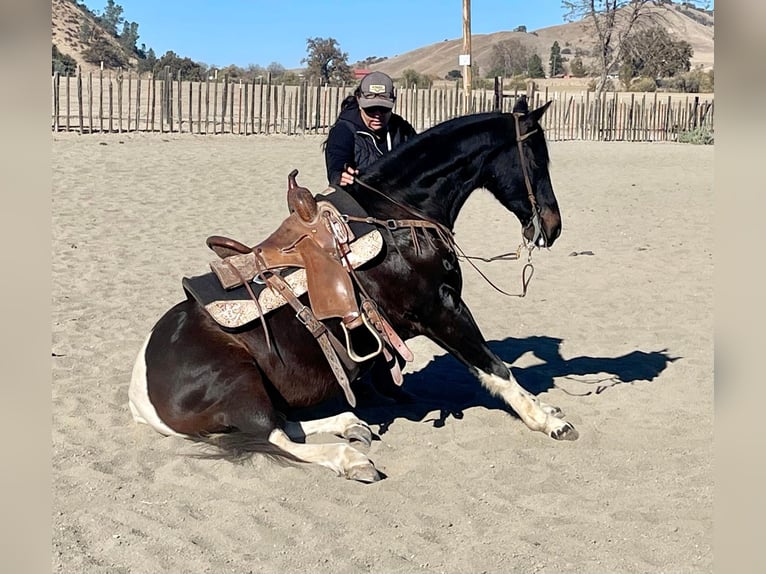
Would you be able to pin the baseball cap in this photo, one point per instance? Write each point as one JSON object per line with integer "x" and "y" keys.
{"x": 377, "y": 90}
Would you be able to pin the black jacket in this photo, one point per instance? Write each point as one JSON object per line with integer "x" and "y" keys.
{"x": 351, "y": 142}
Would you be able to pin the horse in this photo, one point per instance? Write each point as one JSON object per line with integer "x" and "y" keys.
{"x": 237, "y": 390}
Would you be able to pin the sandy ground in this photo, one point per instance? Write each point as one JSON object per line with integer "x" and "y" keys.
{"x": 617, "y": 330}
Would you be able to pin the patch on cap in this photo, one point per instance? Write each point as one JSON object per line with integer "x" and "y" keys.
{"x": 376, "y": 89}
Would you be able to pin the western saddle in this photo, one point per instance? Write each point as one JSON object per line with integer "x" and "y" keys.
{"x": 316, "y": 238}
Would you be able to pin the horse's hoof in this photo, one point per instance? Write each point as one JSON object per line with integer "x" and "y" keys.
{"x": 359, "y": 433}
{"x": 566, "y": 432}
{"x": 363, "y": 473}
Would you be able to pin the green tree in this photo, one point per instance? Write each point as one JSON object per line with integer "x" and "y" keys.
{"x": 652, "y": 52}
{"x": 189, "y": 69}
{"x": 412, "y": 78}
{"x": 111, "y": 18}
{"x": 577, "y": 68}
{"x": 454, "y": 75}
{"x": 326, "y": 62}
{"x": 535, "y": 67}
{"x": 129, "y": 36}
{"x": 101, "y": 50}
{"x": 147, "y": 63}
{"x": 556, "y": 62}
{"x": 508, "y": 58}
{"x": 62, "y": 63}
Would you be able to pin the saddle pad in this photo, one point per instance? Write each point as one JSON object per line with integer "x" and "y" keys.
{"x": 345, "y": 203}
{"x": 234, "y": 308}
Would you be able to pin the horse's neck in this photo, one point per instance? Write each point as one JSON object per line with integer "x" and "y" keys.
{"x": 437, "y": 191}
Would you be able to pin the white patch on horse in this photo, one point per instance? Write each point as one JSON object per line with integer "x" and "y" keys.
{"x": 138, "y": 397}
{"x": 346, "y": 425}
{"x": 537, "y": 415}
{"x": 342, "y": 459}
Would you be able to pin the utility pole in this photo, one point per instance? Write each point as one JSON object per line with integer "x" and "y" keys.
{"x": 465, "y": 57}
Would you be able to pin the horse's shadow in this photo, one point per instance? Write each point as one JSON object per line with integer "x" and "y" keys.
{"x": 446, "y": 386}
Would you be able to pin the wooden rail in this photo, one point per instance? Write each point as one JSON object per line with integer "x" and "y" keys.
{"x": 117, "y": 102}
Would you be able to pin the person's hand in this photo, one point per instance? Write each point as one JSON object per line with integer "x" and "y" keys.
{"x": 347, "y": 177}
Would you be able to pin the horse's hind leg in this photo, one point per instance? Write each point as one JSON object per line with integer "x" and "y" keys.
{"x": 341, "y": 458}
{"x": 345, "y": 425}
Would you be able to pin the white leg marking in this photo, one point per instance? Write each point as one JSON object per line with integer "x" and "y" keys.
{"x": 346, "y": 425}
{"x": 138, "y": 397}
{"x": 536, "y": 415}
{"x": 341, "y": 458}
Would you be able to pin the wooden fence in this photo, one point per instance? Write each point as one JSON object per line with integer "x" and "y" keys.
{"x": 117, "y": 102}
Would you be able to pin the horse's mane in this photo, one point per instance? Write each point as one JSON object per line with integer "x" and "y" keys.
{"x": 449, "y": 142}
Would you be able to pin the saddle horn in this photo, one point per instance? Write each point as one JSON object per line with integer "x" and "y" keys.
{"x": 300, "y": 200}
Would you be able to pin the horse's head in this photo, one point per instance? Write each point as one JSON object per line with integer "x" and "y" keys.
{"x": 521, "y": 181}
{"x": 436, "y": 171}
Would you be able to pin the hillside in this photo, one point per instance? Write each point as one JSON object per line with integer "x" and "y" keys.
{"x": 438, "y": 59}
{"x": 66, "y": 21}
{"x": 694, "y": 26}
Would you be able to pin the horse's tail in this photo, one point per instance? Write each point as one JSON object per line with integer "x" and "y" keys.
{"x": 240, "y": 446}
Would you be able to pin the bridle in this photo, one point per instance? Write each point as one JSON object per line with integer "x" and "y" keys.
{"x": 535, "y": 221}
{"x": 448, "y": 237}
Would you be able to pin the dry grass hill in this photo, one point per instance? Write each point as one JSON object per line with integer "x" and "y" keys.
{"x": 66, "y": 21}
{"x": 694, "y": 26}
{"x": 438, "y": 59}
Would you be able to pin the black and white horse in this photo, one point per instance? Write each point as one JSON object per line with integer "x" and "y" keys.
{"x": 193, "y": 379}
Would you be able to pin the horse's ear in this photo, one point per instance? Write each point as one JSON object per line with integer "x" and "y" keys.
{"x": 538, "y": 113}
{"x": 521, "y": 106}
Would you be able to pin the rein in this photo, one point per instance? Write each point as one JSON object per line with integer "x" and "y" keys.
{"x": 448, "y": 237}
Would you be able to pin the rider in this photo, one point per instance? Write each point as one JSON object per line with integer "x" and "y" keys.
{"x": 366, "y": 129}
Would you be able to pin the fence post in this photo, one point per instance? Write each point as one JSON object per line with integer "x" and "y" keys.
{"x": 56, "y": 101}
{"x": 79, "y": 98}
{"x": 119, "y": 101}
{"x": 111, "y": 103}
{"x": 180, "y": 102}
{"x": 67, "y": 101}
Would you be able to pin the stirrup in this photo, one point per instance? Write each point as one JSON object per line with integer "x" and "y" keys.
{"x": 351, "y": 352}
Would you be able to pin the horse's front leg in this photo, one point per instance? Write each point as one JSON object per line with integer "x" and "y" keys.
{"x": 454, "y": 328}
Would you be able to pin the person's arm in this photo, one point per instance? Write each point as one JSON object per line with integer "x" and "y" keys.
{"x": 339, "y": 152}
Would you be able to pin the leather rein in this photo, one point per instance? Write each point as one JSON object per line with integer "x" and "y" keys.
{"x": 448, "y": 237}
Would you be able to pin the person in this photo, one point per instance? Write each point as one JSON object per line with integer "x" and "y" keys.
{"x": 366, "y": 129}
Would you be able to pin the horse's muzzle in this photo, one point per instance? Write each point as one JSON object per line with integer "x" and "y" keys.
{"x": 550, "y": 227}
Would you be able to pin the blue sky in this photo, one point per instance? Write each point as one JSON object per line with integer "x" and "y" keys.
{"x": 242, "y": 32}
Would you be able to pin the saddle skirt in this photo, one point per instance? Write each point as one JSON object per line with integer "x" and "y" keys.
{"x": 295, "y": 246}
{"x": 234, "y": 308}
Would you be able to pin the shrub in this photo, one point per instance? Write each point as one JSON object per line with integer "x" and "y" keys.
{"x": 643, "y": 85}
{"x": 62, "y": 63}
{"x": 102, "y": 51}
{"x": 697, "y": 136}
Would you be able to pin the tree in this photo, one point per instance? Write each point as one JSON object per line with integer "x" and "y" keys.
{"x": 189, "y": 69}
{"x": 101, "y": 50}
{"x": 129, "y": 36}
{"x": 111, "y": 18}
{"x": 148, "y": 62}
{"x": 508, "y": 58}
{"x": 535, "y": 67}
{"x": 326, "y": 62}
{"x": 62, "y": 63}
{"x": 555, "y": 63}
{"x": 652, "y": 52}
{"x": 611, "y": 21}
{"x": 577, "y": 68}
{"x": 411, "y": 78}
{"x": 454, "y": 75}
